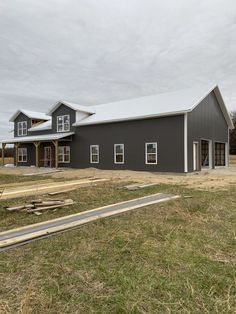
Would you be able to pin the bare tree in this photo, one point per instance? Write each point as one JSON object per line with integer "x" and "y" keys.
{"x": 232, "y": 134}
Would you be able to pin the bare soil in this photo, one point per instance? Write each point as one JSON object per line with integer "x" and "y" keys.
{"x": 220, "y": 178}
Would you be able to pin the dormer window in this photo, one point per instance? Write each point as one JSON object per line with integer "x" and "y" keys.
{"x": 63, "y": 123}
{"x": 22, "y": 128}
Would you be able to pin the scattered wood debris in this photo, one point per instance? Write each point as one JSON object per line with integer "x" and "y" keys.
{"x": 36, "y": 206}
{"x": 137, "y": 186}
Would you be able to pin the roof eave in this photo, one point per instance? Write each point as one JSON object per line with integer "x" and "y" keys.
{"x": 42, "y": 138}
{"x": 223, "y": 107}
{"x": 131, "y": 118}
{"x": 33, "y": 129}
{"x": 62, "y": 102}
{"x": 16, "y": 114}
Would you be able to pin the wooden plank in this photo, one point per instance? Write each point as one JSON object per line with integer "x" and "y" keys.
{"x": 73, "y": 224}
{"x": 69, "y": 202}
{"x": 45, "y": 188}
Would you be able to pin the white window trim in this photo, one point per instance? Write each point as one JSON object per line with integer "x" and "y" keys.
{"x": 91, "y": 159}
{"x": 115, "y": 154}
{"x": 146, "y": 153}
{"x": 63, "y": 116}
{"x": 18, "y": 124}
{"x": 63, "y": 161}
{"x": 26, "y": 154}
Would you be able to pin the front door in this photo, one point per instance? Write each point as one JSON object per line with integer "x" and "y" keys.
{"x": 195, "y": 157}
{"x": 47, "y": 156}
{"x": 206, "y": 154}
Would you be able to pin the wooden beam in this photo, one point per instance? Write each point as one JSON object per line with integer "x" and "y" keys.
{"x": 56, "y": 152}
{"x": 16, "y": 153}
{"x": 36, "y": 144}
{"x": 3, "y": 153}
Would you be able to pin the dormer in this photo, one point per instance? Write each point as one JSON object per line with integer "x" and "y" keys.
{"x": 65, "y": 114}
{"x": 23, "y": 120}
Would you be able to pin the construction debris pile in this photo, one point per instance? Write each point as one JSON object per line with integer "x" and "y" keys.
{"x": 36, "y": 206}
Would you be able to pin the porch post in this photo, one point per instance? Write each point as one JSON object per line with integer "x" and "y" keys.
{"x": 36, "y": 144}
{"x": 56, "y": 152}
{"x": 16, "y": 149}
{"x": 3, "y": 153}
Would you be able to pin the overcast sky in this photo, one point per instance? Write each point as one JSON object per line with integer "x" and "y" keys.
{"x": 96, "y": 51}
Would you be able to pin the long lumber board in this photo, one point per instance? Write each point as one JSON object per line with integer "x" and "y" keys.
{"x": 37, "y": 189}
{"x": 23, "y": 235}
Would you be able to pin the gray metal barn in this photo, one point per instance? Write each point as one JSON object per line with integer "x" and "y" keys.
{"x": 182, "y": 131}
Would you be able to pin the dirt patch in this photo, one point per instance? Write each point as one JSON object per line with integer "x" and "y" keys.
{"x": 221, "y": 178}
{"x": 217, "y": 179}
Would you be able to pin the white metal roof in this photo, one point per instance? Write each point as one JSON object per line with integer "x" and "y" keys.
{"x": 42, "y": 126}
{"x": 73, "y": 106}
{"x": 153, "y": 106}
{"x": 30, "y": 114}
{"x": 43, "y": 138}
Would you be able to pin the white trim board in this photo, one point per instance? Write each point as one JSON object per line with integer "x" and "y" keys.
{"x": 185, "y": 142}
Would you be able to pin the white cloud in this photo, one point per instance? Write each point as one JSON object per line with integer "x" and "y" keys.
{"x": 96, "y": 51}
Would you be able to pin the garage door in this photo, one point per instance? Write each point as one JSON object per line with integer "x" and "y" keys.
{"x": 219, "y": 154}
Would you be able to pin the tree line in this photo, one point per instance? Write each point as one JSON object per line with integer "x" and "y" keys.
{"x": 232, "y": 135}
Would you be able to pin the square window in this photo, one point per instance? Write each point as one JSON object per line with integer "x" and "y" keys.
{"x": 119, "y": 153}
{"x": 64, "y": 154}
{"x": 151, "y": 153}
{"x": 63, "y": 123}
{"x": 94, "y": 154}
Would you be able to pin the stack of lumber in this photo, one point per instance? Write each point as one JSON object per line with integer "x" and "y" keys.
{"x": 39, "y": 205}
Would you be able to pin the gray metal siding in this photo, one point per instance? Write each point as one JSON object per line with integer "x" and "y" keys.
{"x": 21, "y": 117}
{"x": 63, "y": 110}
{"x": 60, "y": 111}
{"x": 206, "y": 121}
{"x": 30, "y": 155}
{"x": 166, "y": 131}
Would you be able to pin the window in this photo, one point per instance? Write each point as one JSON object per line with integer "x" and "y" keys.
{"x": 94, "y": 154}
{"x": 22, "y": 154}
{"x": 151, "y": 153}
{"x": 63, "y": 123}
{"x": 22, "y": 128}
{"x": 64, "y": 154}
{"x": 119, "y": 153}
{"x": 220, "y": 154}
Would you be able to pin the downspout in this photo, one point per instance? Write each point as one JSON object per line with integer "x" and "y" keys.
{"x": 186, "y": 142}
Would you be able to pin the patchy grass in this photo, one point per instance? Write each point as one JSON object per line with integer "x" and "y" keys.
{"x": 10, "y": 178}
{"x": 175, "y": 257}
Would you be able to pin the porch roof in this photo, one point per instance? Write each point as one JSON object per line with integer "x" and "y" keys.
{"x": 37, "y": 138}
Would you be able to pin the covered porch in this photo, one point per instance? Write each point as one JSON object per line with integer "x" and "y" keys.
{"x": 39, "y": 150}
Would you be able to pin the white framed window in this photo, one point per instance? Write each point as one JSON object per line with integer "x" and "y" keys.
{"x": 22, "y": 154}
{"x": 63, "y": 123}
{"x": 22, "y": 128}
{"x": 94, "y": 154}
{"x": 151, "y": 153}
{"x": 64, "y": 154}
{"x": 119, "y": 152}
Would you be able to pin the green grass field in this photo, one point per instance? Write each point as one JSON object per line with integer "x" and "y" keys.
{"x": 175, "y": 257}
